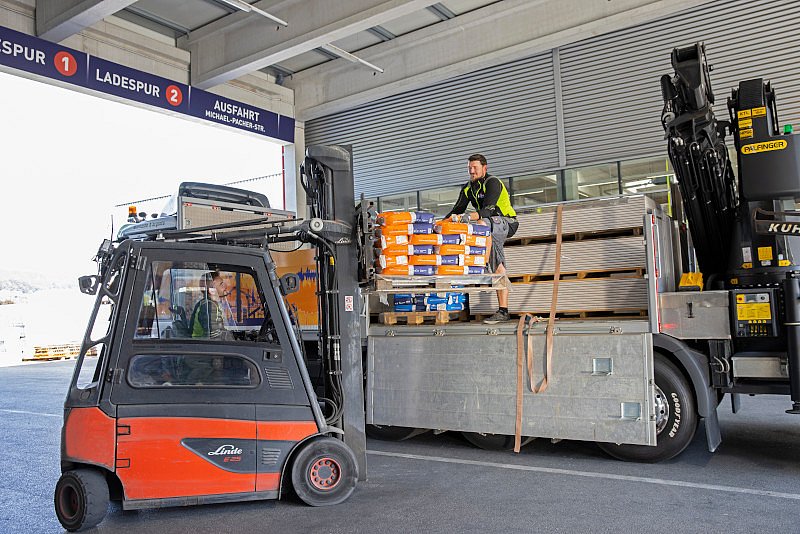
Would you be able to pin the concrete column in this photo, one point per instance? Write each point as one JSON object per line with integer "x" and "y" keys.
{"x": 292, "y": 158}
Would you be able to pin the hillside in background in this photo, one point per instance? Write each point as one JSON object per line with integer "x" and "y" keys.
{"x": 17, "y": 286}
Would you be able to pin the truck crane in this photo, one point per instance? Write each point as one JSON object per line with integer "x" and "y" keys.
{"x": 744, "y": 228}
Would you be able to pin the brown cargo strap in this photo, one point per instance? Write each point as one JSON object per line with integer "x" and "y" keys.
{"x": 523, "y": 354}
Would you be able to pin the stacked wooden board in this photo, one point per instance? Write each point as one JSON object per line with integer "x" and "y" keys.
{"x": 603, "y": 260}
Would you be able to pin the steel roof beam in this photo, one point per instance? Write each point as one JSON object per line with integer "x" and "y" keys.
{"x": 238, "y": 43}
{"x": 58, "y": 19}
{"x": 498, "y": 33}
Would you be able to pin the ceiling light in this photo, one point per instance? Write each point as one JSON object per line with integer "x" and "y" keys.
{"x": 349, "y": 57}
{"x": 241, "y": 5}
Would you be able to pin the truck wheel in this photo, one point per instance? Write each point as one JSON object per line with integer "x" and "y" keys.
{"x": 676, "y": 417}
{"x": 81, "y": 499}
{"x": 493, "y": 442}
{"x": 393, "y": 433}
{"x": 324, "y": 472}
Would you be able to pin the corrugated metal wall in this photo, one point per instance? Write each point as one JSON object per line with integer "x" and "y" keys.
{"x": 610, "y": 93}
{"x": 612, "y": 98}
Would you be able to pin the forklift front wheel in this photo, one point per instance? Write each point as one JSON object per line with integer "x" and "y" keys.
{"x": 324, "y": 472}
{"x": 81, "y": 499}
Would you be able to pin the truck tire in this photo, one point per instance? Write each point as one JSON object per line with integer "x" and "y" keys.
{"x": 393, "y": 433}
{"x": 324, "y": 472}
{"x": 81, "y": 499}
{"x": 676, "y": 417}
{"x": 493, "y": 442}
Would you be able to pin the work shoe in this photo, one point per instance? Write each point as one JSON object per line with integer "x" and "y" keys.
{"x": 498, "y": 317}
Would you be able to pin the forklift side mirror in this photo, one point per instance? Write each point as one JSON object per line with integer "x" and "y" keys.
{"x": 88, "y": 284}
{"x": 290, "y": 283}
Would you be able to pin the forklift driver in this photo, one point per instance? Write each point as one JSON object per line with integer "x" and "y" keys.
{"x": 208, "y": 317}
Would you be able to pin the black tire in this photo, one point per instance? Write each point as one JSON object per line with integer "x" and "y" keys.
{"x": 676, "y": 417}
{"x": 393, "y": 433}
{"x": 324, "y": 472}
{"x": 81, "y": 499}
{"x": 493, "y": 442}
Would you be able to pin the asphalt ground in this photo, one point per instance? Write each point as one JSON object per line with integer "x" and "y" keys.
{"x": 443, "y": 484}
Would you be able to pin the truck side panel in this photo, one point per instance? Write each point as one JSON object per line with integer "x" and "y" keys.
{"x": 464, "y": 378}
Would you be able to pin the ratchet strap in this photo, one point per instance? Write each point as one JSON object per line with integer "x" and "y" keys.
{"x": 525, "y": 349}
{"x": 521, "y": 354}
{"x": 551, "y": 320}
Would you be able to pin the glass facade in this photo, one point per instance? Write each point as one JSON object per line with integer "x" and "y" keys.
{"x": 588, "y": 182}
{"x": 535, "y": 189}
{"x": 438, "y": 201}
{"x": 646, "y": 176}
{"x": 650, "y": 176}
{"x": 401, "y": 202}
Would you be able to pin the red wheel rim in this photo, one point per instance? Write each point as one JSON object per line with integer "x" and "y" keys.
{"x": 325, "y": 473}
{"x": 69, "y": 502}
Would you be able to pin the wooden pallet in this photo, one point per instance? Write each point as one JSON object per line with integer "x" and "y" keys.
{"x": 417, "y": 318}
{"x": 576, "y": 236}
{"x": 434, "y": 284}
{"x": 634, "y": 272}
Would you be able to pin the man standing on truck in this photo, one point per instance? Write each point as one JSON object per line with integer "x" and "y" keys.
{"x": 490, "y": 198}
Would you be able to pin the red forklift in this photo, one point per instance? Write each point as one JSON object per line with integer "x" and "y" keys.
{"x": 201, "y": 391}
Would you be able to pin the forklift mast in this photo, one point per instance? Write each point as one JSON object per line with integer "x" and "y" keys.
{"x": 327, "y": 177}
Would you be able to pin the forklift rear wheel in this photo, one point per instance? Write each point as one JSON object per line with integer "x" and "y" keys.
{"x": 493, "y": 442}
{"x": 81, "y": 499}
{"x": 676, "y": 417}
{"x": 324, "y": 472}
{"x": 393, "y": 433}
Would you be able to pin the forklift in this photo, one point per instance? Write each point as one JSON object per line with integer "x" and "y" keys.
{"x": 200, "y": 392}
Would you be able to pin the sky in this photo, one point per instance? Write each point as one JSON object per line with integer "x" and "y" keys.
{"x": 68, "y": 158}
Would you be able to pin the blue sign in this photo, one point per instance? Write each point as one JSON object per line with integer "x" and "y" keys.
{"x": 37, "y": 56}
{"x": 132, "y": 84}
{"x": 211, "y": 107}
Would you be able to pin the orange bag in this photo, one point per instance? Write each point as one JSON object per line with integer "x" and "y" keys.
{"x": 398, "y": 250}
{"x": 391, "y": 240}
{"x": 450, "y": 227}
{"x": 427, "y": 259}
{"x": 396, "y": 229}
{"x": 395, "y": 217}
{"x": 388, "y": 261}
{"x": 476, "y": 240}
{"x": 475, "y": 261}
{"x": 458, "y": 270}
{"x": 445, "y": 250}
{"x": 426, "y": 239}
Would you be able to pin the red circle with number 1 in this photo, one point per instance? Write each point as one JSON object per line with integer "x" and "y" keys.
{"x": 174, "y": 95}
{"x": 65, "y": 63}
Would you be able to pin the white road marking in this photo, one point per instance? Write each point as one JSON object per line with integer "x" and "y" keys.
{"x": 32, "y": 413}
{"x": 589, "y": 474}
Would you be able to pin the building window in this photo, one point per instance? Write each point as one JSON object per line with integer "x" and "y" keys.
{"x": 535, "y": 189}
{"x": 649, "y": 176}
{"x": 439, "y": 201}
{"x": 401, "y": 202}
{"x": 590, "y": 182}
